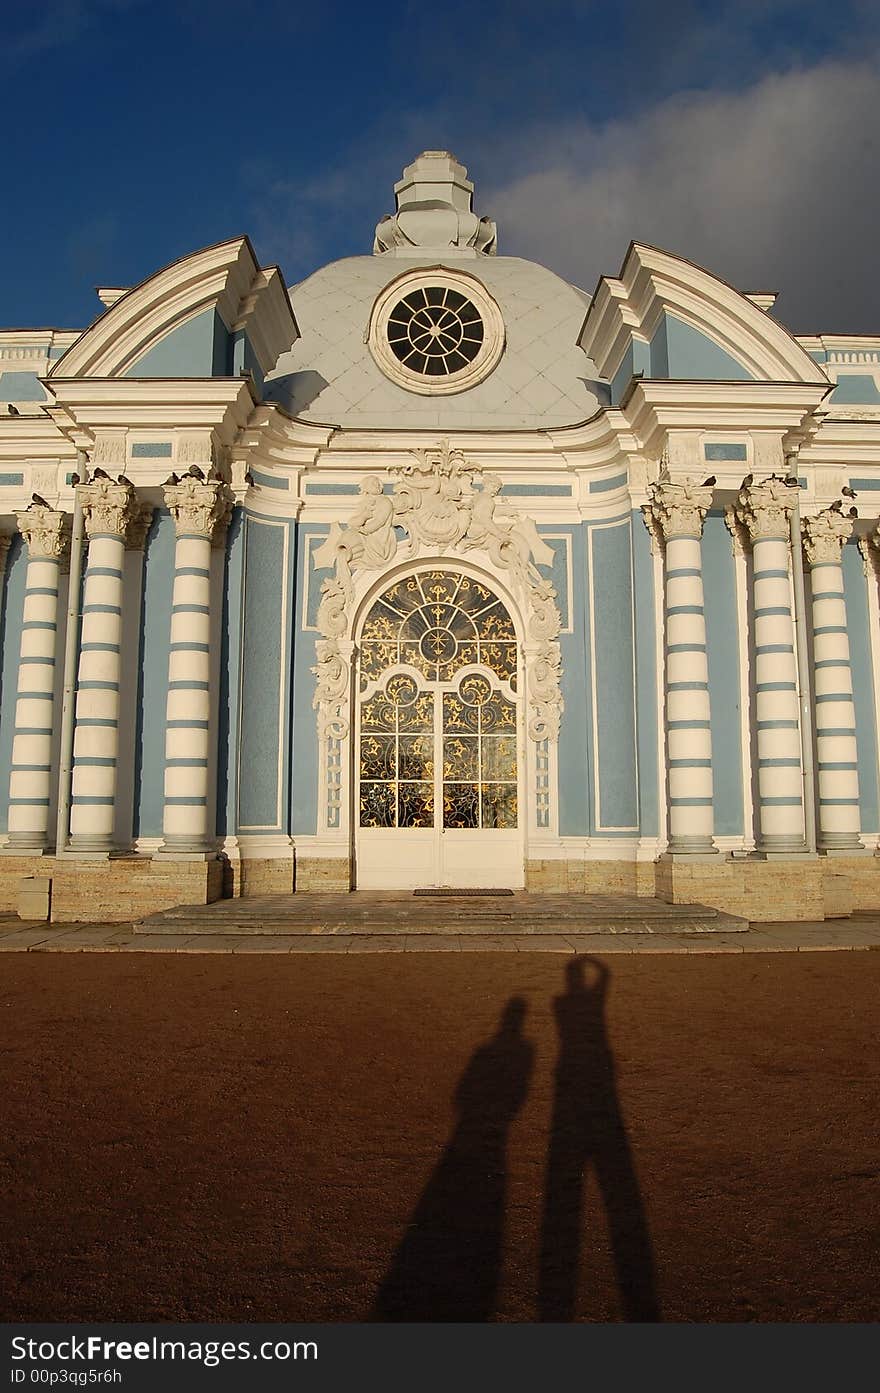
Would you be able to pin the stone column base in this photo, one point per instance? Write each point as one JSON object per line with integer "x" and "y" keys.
{"x": 113, "y": 891}
{"x": 765, "y": 889}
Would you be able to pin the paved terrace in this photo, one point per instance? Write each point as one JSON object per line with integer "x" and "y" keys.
{"x": 403, "y": 922}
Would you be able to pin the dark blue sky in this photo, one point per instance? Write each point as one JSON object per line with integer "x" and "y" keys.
{"x": 142, "y": 131}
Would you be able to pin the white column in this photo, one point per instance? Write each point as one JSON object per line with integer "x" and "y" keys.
{"x": 199, "y": 509}
{"x": 763, "y": 509}
{"x": 108, "y": 511}
{"x": 824, "y": 537}
{"x": 677, "y": 511}
{"x": 47, "y": 534}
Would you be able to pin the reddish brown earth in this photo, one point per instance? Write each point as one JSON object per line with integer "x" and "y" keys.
{"x": 315, "y": 1137}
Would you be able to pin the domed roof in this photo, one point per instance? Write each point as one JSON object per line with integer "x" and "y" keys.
{"x": 542, "y": 378}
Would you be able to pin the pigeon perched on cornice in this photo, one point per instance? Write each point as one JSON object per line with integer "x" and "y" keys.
{"x": 40, "y": 502}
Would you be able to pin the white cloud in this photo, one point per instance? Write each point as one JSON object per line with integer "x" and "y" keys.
{"x": 772, "y": 187}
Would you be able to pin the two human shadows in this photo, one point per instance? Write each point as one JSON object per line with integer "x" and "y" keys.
{"x": 448, "y": 1264}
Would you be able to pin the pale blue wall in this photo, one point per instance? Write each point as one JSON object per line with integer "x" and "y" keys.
{"x": 244, "y": 359}
{"x": 646, "y": 677}
{"x": 263, "y": 697}
{"x": 612, "y": 623}
{"x": 858, "y": 628}
{"x": 573, "y": 750}
{"x": 21, "y": 386}
{"x": 198, "y": 348}
{"x": 10, "y": 647}
{"x": 719, "y": 587}
{"x": 679, "y": 351}
{"x": 149, "y": 775}
{"x": 853, "y": 387}
{"x": 635, "y": 359}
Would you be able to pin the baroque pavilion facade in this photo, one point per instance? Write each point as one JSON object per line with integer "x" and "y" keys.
{"x": 434, "y": 570}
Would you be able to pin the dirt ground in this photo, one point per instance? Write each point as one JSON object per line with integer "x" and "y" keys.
{"x": 440, "y": 1136}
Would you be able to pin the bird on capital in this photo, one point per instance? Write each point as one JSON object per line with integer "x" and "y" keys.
{"x": 747, "y": 481}
{"x": 848, "y": 492}
{"x": 172, "y": 479}
{"x": 40, "y": 502}
{"x": 853, "y": 512}
{"x": 836, "y": 506}
{"x": 710, "y": 482}
{"x": 194, "y": 472}
{"x": 791, "y": 481}
{"x": 99, "y": 473}
{"x": 122, "y": 480}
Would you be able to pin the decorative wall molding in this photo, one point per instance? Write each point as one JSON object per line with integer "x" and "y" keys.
{"x": 442, "y": 503}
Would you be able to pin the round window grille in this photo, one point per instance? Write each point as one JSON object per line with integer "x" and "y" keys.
{"x": 436, "y": 331}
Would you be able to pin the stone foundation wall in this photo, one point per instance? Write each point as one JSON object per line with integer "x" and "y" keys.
{"x": 582, "y": 877}
{"x": 817, "y": 888}
{"x": 132, "y": 887}
{"x": 826, "y": 887}
{"x": 114, "y": 891}
{"x": 325, "y": 876}
{"x": 270, "y": 877}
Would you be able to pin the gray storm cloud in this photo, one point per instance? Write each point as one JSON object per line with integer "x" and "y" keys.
{"x": 772, "y": 187}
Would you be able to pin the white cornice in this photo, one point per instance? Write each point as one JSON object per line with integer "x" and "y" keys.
{"x": 654, "y": 407}
{"x": 222, "y": 404}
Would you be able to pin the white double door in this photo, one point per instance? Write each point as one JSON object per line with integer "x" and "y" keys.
{"x": 438, "y": 783}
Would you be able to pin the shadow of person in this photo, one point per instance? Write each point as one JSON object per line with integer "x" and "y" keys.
{"x": 587, "y": 1129}
{"x": 448, "y": 1264}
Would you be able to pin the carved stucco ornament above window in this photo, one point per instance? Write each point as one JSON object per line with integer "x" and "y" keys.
{"x": 442, "y": 503}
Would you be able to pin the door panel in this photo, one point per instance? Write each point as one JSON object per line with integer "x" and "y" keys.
{"x": 438, "y": 737}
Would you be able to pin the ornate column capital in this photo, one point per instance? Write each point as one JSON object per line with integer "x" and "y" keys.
{"x": 677, "y": 509}
{"x": 107, "y": 507}
{"x": 199, "y": 506}
{"x": 46, "y": 531}
{"x": 824, "y": 535}
{"x": 763, "y": 509}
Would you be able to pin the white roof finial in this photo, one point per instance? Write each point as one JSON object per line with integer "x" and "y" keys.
{"x": 434, "y": 210}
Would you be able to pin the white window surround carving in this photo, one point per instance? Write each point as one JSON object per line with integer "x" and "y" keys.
{"x": 473, "y": 290}
{"x": 447, "y": 507}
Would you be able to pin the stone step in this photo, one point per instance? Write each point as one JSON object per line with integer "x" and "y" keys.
{"x": 361, "y": 914}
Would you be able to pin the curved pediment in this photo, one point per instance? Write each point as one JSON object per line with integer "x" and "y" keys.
{"x": 185, "y": 321}
{"x": 674, "y": 319}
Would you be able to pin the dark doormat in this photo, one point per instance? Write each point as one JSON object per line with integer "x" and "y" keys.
{"x": 456, "y": 893}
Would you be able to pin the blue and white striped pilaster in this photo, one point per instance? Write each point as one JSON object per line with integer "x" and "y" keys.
{"x": 764, "y": 510}
{"x": 678, "y": 510}
{"x": 837, "y": 755}
{"x": 198, "y": 509}
{"x": 47, "y": 534}
{"x": 688, "y": 717}
{"x": 96, "y": 732}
